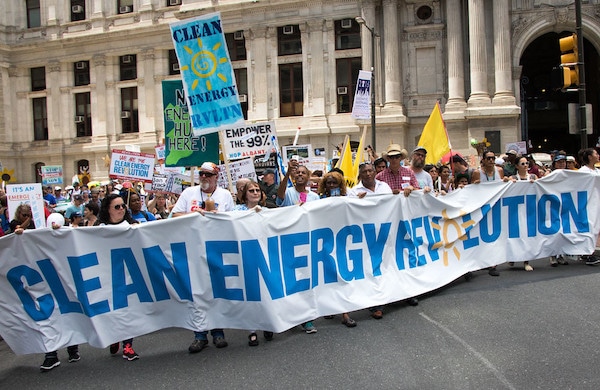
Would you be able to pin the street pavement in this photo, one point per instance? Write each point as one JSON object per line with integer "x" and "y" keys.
{"x": 521, "y": 330}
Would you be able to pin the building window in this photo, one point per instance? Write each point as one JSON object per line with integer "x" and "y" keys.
{"x": 241, "y": 79}
{"x": 173, "y": 63}
{"x": 129, "y": 110}
{"x": 124, "y": 6}
{"x": 34, "y": 18}
{"x": 83, "y": 114}
{"x": 346, "y": 75}
{"x": 291, "y": 94}
{"x": 40, "y": 119}
{"x": 38, "y": 78}
{"x": 347, "y": 34}
{"x": 236, "y": 44}
{"x": 171, "y": 3}
{"x": 288, "y": 40}
{"x": 81, "y": 70}
{"x": 128, "y": 67}
{"x": 77, "y": 10}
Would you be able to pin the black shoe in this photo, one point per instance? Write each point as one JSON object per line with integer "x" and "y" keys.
{"x": 220, "y": 342}
{"x": 268, "y": 335}
{"x": 198, "y": 345}
{"x": 591, "y": 260}
{"x": 74, "y": 356}
{"x": 412, "y": 301}
{"x": 253, "y": 339}
{"x": 493, "y": 272}
{"x": 468, "y": 276}
{"x": 114, "y": 348}
{"x": 49, "y": 363}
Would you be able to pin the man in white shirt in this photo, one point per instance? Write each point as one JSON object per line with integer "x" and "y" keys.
{"x": 417, "y": 163}
{"x": 195, "y": 199}
{"x": 368, "y": 185}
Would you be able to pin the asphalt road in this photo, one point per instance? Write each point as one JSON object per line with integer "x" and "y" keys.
{"x": 521, "y": 330}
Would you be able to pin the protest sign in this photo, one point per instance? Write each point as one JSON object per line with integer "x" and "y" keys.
{"x": 238, "y": 169}
{"x": 277, "y": 268}
{"x": 248, "y": 140}
{"x": 52, "y": 175}
{"x": 131, "y": 166}
{"x": 208, "y": 77}
{"x": 182, "y": 147}
{"x": 30, "y": 194}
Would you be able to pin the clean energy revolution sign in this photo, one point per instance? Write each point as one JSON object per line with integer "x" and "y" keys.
{"x": 207, "y": 74}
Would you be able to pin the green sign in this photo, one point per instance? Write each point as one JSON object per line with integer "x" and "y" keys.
{"x": 182, "y": 148}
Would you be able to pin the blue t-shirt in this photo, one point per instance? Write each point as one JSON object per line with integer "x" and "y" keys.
{"x": 143, "y": 216}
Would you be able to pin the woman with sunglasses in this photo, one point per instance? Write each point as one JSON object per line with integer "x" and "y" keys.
{"x": 113, "y": 211}
{"x": 522, "y": 174}
{"x": 252, "y": 197}
{"x": 23, "y": 219}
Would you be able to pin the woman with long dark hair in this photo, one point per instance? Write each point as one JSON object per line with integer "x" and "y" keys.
{"x": 113, "y": 211}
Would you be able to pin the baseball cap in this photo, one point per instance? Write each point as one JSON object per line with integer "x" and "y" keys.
{"x": 57, "y": 188}
{"x": 422, "y": 149}
{"x": 268, "y": 170}
{"x": 559, "y": 157}
{"x": 570, "y": 158}
{"x": 209, "y": 167}
{"x": 512, "y": 151}
{"x": 77, "y": 197}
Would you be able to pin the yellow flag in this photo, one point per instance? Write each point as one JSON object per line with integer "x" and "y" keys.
{"x": 359, "y": 155}
{"x": 345, "y": 163}
{"x": 434, "y": 137}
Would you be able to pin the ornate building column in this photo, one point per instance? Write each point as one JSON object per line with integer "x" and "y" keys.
{"x": 54, "y": 99}
{"x": 258, "y": 82}
{"x": 314, "y": 67}
{"x": 477, "y": 50}
{"x": 146, "y": 100}
{"x": 99, "y": 96}
{"x": 503, "y": 70}
{"x": 456, "y": 76}
{"x": 392, "y": 69}
{"x": 368, "y": 14}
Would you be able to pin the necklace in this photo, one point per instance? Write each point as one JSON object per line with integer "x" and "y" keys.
{"x": 487, "y": 177}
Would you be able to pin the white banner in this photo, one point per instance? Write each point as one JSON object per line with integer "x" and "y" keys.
{"x": 277, "y": 268}
{"x": 248, "y": 140}
{"x": 362, "y": 96}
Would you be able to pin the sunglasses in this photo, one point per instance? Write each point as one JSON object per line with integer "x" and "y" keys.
{"x": 120, "y": 206}
{"x": 394, "y": 157}
{"x": 26, "y": 215}
{"x": 254, "y": 190}
{"x": 206, "y": 174}
{"x": 524, "y": 163}
{"x": 490, "y": 158}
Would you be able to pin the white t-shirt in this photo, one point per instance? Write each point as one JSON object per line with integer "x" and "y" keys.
{"x": 192, "y": 198}
{"x": 381, "y": 187}
{"x": 585, "y": 168}
{"x": 424, "y": 179}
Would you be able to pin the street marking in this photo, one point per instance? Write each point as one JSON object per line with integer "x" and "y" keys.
{"x": 479, "y": 356}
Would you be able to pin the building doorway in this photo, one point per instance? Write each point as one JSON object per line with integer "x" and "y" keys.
{"x": 545, "y": 122}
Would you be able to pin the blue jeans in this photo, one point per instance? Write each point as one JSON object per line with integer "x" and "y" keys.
{"x": 204, "y": 335}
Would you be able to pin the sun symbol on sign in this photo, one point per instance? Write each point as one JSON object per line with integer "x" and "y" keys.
{"x": 205, "y": 63}
{"x": 451, "y": 231}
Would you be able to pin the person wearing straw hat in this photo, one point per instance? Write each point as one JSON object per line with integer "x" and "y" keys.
{"x": 399, "y": 178}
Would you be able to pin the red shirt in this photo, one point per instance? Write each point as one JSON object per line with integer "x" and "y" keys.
{"x": 395, "y": 181}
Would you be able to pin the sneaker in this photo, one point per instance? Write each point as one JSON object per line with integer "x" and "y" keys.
{"x": 268, "y": 335}
{"x": 114, "y": 348}
{"x": 511, "y": 263}
{"x": 309, "y": 327}
{"x": 220, "y": 342}
{"x": 528, "y": 267}
{"x": 412, "y": 301}
{"x": 591, "y": 260}
{"x": 74, "y": 357}
{"x": 553, "y": 261}
{"x": 493, "y": 272}
{"x": 561, "y": 260}
{"x": 49, "y": 363}
{"x": 198, "y": 345}
{"x": 129, "y": 353}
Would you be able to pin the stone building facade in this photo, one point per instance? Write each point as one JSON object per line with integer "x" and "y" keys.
{"x": 79, "y": 78}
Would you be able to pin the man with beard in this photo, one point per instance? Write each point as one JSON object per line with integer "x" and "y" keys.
{"x": 205, "y": 197}
{"x": 416, "y": 164}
